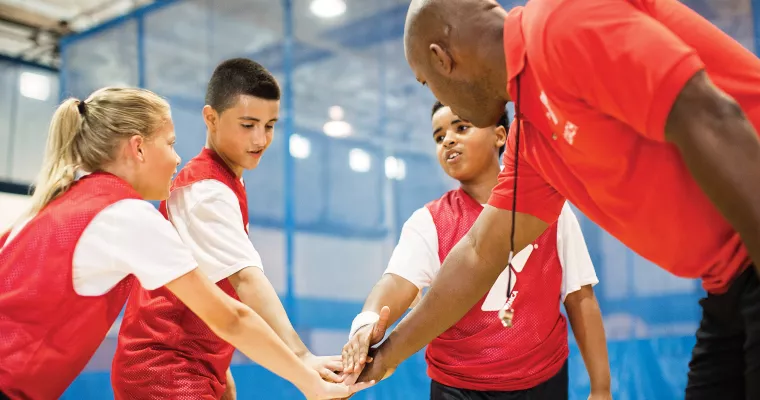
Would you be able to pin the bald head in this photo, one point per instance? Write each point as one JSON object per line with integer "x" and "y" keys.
{"x": 433, "y": 20}
{"x": 456, "y": 48}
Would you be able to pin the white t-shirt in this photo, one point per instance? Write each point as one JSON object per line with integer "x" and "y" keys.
{"x": 207, "y": 217}
{"x": 415, "y": 258}
{"x": 127, "y": 237}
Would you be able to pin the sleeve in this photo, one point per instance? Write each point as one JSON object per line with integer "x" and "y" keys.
{"x": 415, "y": 257}
{"x": 620, "y": 61}
{"x": 132, "y": 237}
{"x": 535, "y": 196}
{"x": 577, "y": 268}
{"x": 207, "y": 217}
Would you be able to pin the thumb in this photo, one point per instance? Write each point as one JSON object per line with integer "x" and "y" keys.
{"x": 382, "y": 324}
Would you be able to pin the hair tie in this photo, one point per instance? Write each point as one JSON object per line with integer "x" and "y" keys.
{"x": 82, "y": 108}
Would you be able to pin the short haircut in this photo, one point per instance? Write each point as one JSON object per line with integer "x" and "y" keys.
{"x": 240, "y": 76}
{"x": 503, "y": 121}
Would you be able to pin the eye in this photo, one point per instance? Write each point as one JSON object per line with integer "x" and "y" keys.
{"x": 247, "y": 126}
{"x": 462, "y": 128}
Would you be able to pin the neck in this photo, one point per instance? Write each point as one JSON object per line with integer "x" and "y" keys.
{"x": 480, "y": 187}
{"x": 236, "y": 169}
{"x": 124, "y": 172}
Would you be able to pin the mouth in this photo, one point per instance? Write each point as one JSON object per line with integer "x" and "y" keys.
{"x": 453, "y": 156}
{"x": 255, "y": 153}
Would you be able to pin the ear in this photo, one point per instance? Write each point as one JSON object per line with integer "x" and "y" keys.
{"x": 134, "y": 148}
{"x": 441, "y": 59}
{"x": 210, "y": 117}
{"x": 501, "y": 136}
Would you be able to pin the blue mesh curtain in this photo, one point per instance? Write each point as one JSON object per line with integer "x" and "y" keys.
{"x": 326, "y": 211}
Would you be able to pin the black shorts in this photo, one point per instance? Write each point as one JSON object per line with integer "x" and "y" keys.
{"x": 725, "y": 362}
{"x": 3, "y": 396}
{"x": 556, "y": 388}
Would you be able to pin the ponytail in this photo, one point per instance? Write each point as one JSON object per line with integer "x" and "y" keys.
{"x": 62, "y": 158}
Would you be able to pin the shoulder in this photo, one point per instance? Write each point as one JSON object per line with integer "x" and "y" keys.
{"x": 421, "y": 220}
{"x": 203, "y": 191}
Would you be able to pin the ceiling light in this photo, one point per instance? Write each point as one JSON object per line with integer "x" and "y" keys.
{"x": 328, "y": 8}
{"x": 337, "y": 129}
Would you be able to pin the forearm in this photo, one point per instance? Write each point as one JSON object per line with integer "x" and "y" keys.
{"x": 230, "y": 393}
{"x": 394, "y": 292}
{"x": 257, "y": 292}
{"x": 588, "y": 328}
{"x": 447, "y": 301}
{"x": 253, "y": 337}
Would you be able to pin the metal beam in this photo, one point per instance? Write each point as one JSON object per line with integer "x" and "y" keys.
{"x": 30, "y": 20}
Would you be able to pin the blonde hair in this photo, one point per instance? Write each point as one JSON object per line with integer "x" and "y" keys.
{"x": 86, "y": 134}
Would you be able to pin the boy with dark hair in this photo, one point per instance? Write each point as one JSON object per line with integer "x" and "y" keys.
{"x": 164, "y": 350}
{"x": 478, "y": 358}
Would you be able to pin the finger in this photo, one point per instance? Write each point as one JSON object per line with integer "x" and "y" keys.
{"x": 334, "y": 364}
{"x": 330, "y": 376}
{"x": 382, "y": 323}
{"x": 361, "y": 353}
{"x": 344, "y": 357}
{"x": 360, "y": 386}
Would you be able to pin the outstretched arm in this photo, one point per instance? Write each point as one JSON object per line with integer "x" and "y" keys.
{"x": 480, "y": 257}
{"x": 722, "y": 151}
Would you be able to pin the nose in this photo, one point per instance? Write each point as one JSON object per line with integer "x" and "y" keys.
{"x": 177, "y": 157}
{"x": 259, "y": 137}
{"x": 450, "y": 139}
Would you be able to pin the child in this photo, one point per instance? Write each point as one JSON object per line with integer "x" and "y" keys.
{"x": 479, "y": 357}
{"x": 209, "y": 208}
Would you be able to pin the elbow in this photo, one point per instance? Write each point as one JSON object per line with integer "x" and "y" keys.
{"x": 232, "y": 322}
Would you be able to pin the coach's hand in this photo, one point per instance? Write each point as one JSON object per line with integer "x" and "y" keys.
{"x": 356, "y": 350}
{"x": 326, "y": 366}
{"x": 377, "y": 369}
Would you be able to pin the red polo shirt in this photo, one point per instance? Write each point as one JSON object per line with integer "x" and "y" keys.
{"x": 596, "y": 83}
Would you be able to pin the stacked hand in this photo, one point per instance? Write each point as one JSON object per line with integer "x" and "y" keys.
{"x": 356, "y": 351}
{"x": 326, "y": 383}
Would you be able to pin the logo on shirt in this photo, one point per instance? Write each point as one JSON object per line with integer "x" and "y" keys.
{"x": 570, "y": 130}
{"x": 549, "y": 112}
{"x": 497, "y": 296}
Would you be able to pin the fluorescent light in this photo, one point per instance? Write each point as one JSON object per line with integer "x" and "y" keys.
{"x": 337, "y": 129}
{"x": 300, "y": 147}
{"x": 395, "y": 168}
{"x": 359, "y": 160}
{"x": 328, "y": 8}
{"x": 34, "y": 86}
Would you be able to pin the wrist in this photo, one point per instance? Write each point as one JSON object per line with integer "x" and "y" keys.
{"x": 307, "y": 379}
{"x": 302, "y": 353}
{"x": 363, "y": 319}
{"x": 600, "y": 387}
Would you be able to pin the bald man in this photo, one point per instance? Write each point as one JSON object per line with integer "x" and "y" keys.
{"x": 639, "y": 112}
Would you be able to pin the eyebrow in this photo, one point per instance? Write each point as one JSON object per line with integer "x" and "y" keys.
{"x": 454, "y": 122}
{"x": 246, "y": 118}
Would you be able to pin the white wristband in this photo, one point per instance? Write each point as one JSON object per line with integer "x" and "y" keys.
{"x": 363, "y": 319}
